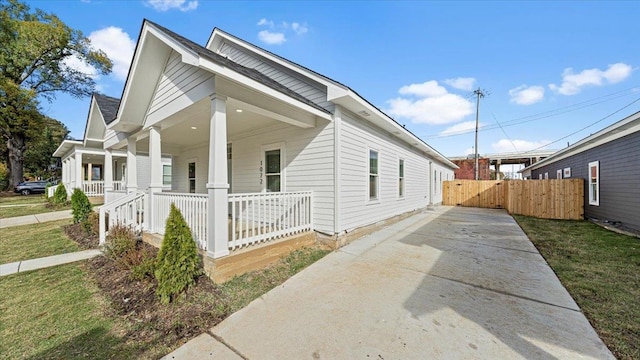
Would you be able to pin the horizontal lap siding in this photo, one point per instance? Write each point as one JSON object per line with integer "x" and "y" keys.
{"x": 619, "y": 179}
{"x": 355, "y": 141}
{"x": 308, "y": 165}
{"x": 177, "y": 79}
{"x": 180, "y": 169}
{"x": 311, "y": 90}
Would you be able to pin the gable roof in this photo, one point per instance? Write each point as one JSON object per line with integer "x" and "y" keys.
{"x": 108, "y": 106}
{"x": 624, "y": 127}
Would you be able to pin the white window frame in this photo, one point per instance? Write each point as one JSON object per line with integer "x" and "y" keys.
{"x": 546, "y": 176}
{"x": 263, "y": 166}
{"x": 594, "y": 201}
{"x": 195, "y": 178}
{"x": 164, "y": 166}
{"x": 559, "y": 174}
{"x": 540, "y": 176}
{"x": 401, "y": 178}
{"x": 567, "y": 172}
{"x": 377, "y": 176}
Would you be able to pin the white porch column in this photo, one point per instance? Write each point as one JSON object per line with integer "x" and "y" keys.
{"x": 64, "y": 171}
{"x": 155, "y": 162}
{"x": 72, "y": 173}
{"x": 217, "y": 183}
{"x": 132, "y": 176}
{"x": 78, "y": 170}
{"x": 108, "y": 173}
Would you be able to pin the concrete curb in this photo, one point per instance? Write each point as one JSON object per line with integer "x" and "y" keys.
{"x": 45, "y": 262}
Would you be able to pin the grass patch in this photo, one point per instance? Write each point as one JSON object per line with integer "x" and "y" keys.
{"x": 15, "y": 199}
{"x": 34, "y": 241}
{"x": 28, "y": 209}
{"x": 601, "y": 271}
{"x": 54, "y": 313}
{"x": 97, "y": 311}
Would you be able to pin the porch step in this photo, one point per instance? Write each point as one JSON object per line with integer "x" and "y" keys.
{"x": 247, "y": 259}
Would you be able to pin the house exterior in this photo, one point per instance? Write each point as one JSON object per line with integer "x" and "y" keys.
{"x": 609, "y": 162}
{"x": 467, "y": 169}
{"x": 260, "y": 147}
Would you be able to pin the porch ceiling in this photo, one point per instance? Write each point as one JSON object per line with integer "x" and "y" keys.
{"x": 191, "y": 126}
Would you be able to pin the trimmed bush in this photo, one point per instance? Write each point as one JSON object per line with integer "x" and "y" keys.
{"x": 119, "y": 242}
{"x": 80, "y": 206}
{"x": 60, "y": 196}
{"x": 178, "y": 263}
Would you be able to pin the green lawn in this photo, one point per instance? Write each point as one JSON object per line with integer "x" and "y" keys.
{"x": 34, "y": 241}
{"x": 601, "y": 271}
{"x": 21, "y": 199}
{"x": 56, "y": 313}
{"x": 11, "y": 206}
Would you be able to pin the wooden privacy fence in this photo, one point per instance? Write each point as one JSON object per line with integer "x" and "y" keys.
{"x": 547, "y": 199}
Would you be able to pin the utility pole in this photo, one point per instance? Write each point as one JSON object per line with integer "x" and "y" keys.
{"x": 479, "y": 94}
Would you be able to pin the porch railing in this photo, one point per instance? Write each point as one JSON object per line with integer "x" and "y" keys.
{"x": 128, "y": 211}
{"x": 193, "y": 208}
{"x": 118, "y": 185}
{"x": 261, "y": 217}
{"x": 93, "y": 188}
{"x": 51, "y": 190}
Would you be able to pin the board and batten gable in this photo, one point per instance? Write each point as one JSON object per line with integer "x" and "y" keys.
{"x": 308, "y": 165}
{"x": 357, "y": 137}
{"x": 304, "y": 86}
{"x": 619, "y": 165}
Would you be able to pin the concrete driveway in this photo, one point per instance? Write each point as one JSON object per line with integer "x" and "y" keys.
{"x": 454, "y": 283}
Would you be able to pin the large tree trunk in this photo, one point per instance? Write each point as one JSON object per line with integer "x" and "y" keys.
{"x": 16, "y": 147}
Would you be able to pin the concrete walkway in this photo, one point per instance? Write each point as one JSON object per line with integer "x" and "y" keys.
{"x": 45, "y": 262}
{"x": 35, "y": 219}
{"x": 454, "y": 283}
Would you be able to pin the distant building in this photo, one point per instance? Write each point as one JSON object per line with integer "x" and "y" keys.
{"x": 466, "y": 169}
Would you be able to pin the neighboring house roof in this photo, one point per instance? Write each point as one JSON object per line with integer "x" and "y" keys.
{"x": 65, "y": 146}
{"x": 624, "y": 127}
{"x": 108, "y": 106}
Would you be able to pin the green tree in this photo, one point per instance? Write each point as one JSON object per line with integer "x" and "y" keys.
{"x": 37, "y": 53}
{"x": 80, "y": 206}
{"x": 38, "y": 157}
{"x": 178, "y": 264}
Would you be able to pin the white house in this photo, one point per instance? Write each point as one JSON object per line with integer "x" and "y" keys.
{"x": 260, "y": 147}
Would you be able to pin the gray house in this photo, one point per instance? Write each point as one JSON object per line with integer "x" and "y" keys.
{"x": 609, "y": 161}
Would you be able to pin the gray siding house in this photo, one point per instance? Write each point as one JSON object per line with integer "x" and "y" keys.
{"x": 609, "y": 162}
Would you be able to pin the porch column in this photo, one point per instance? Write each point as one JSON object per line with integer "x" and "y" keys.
{"x": 155, "y": 161}
{"x": 89, "y": 172}
{"x": 217, "y": 182}
{"x": 72, "y": 176}
{"x": 64, "y": 171}
{"x": 108, "y": 173}
{"x": 132, "y": 176}
{"x": 79, "y": 170}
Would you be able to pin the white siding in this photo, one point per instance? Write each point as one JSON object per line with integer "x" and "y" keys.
{"x": 440, "y": 174}
{"x": 356, "y": 210}
{"x": 177, "y": 79}
{"x": 306, "y": 87}
{"x": 143, "y": 169}
{"x": 308, "y": 165}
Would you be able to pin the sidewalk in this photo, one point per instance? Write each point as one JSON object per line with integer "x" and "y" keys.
{"x": 45, "y": 262}
{"x": 35, "y": 219}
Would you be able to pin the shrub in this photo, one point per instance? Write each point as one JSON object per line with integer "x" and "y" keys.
{"x": 119, "y": 242}
{"x": 80, "y": 206}
{"x": 145, "y": 268}
{"x": 92, "y": 224}
{"x": 60, "y": 196}
{"x": 178, "y": 264}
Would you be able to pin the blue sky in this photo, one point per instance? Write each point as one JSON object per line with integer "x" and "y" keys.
{"x": 550, "y": 68}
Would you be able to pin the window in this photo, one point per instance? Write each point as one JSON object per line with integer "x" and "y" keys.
{"x": 546, "y": 176}
{"x": 192, "y": 177}
{"x": 273, "y": 170}
{"x": 594, "y": 183}
{"x": 540, "y": 176}
{"x": 166, "y": 174}
{"x": 559, "y": 174}
{"x": 373, "y": 175}
{"x": 401, "y": 178}
{"x": 567, "y": 172}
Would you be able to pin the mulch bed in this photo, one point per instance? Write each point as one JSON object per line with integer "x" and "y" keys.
{"x": 77, "y": 233}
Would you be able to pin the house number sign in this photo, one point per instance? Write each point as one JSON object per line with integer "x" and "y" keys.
{"x": 261, "y": 172}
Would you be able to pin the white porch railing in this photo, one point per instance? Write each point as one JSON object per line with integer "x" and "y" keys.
{"x": 51, "y": 190}
{"x": 265, "y": 216}
{"x": 110, "y": 196}
{"x": 193, "y": 208}
{"x": 118, "y": 185}
{"x": 128, "y": 211}
{"x": 93, "y": 188}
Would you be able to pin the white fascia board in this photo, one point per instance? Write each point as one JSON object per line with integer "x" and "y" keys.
{"x": 218, "y": 36}
{"x": 114, "y": 140}
{"x": 92, "y": 104}
{"x": 630, "y": 125}
{"x": 65, "y": 146}
{"x": 239, "y": 78}
{"x": 90, "y": 151}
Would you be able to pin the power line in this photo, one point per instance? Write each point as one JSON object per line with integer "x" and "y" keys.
{"x": 584, "y": 128}
{"x": 504, "y": 132}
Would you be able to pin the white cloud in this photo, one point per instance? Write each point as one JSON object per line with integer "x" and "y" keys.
{"x": 526, "y": 95}
{"x": 271, "y": 38}
{"x": 299, "y": 28}
{"x": 461, "y": 83}
{"x": 165, "y": 5}
{"x": 505, "y": 145}
{"x": 460, "y": 128}
{"x": 76, "y": 63}
{"x": 265, "y": 22}
{"x": 118, "y": 46}
{"x": 573, "y": 83}
{"x": 429, "y": 103}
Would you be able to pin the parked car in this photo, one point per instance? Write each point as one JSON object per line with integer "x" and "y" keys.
{"x": 31, "y": 187}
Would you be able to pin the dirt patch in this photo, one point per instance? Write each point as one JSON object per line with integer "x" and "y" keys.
{"x": 135, "y": 300}
{"x": 78, "y": 234}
